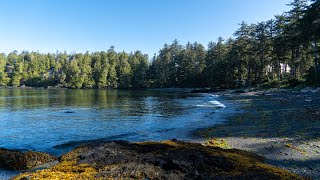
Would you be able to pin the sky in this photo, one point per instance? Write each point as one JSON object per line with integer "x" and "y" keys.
{"x": 129, "y": 25}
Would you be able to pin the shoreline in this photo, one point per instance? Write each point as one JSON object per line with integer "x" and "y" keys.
{"x": 252, "y": 140}
{"x": 281, "y": 125}
{"x": 5, "y": 173}
{"x": 170, "y": 159}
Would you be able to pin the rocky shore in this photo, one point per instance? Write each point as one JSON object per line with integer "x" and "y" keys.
{"x": 17, "y": 160}
{"x": 158, "y": 160}
{"x": 282, "y": 125}
{"x": 276, "y": 132}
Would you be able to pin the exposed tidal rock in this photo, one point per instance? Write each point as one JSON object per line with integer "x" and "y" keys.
{"x": 239, "y": 91}
{"x": 16, "y": 160}
{"x": 206, "y": 90}
{"x": 154, "y": 160}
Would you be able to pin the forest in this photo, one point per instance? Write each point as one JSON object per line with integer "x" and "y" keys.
{"x": 282, "y": 49}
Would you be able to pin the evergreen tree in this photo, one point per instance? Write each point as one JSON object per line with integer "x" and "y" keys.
{"x": 124, "y": 71}
{"x": 74, "y": 78}
{"x": 139, "y": 66}
{"x": 112, "y": 73}
{"x": 4, "y": 80}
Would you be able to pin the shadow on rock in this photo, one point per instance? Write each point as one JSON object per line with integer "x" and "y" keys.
{"x": 159, "y": 160}
{"x": 16, "y": 160}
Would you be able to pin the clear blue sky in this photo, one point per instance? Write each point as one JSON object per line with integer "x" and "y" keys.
{"x": 95, "y": 25}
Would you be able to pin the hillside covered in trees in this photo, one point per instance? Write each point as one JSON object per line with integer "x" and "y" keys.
{"x": 285, "y": 48}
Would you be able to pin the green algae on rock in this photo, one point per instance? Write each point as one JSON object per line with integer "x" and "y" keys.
{"x": 158, "y": 160}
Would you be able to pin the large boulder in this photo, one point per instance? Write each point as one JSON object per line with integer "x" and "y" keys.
{"x": 17, "y": 160}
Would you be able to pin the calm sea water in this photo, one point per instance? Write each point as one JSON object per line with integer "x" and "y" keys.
{"x": 55, "y": 120}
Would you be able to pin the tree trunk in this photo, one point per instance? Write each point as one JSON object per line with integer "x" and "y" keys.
{"x": 292, "y": 63}
{"x": 260, "y": 69}
{"x": 272, "y": 71}
{"x": 297, "y": 62}
{"x": 279, "y": 71}
{"x": 248, "y": 83}
{"x": 239, "y": 71}
{"x": 316, "y": 65}
{"x": 255, "y": 73}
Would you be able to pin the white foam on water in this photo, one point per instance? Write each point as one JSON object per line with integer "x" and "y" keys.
{"x": 212, "y": 104}
{"x": 210, "y": 101}
{"x": 213, "y": 95}
{"x": 217, "y": 104}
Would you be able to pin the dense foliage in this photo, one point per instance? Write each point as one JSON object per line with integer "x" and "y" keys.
{"x": 283, "y": 48}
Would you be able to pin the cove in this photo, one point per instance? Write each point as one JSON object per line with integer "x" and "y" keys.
{"x": 56, "y": 121}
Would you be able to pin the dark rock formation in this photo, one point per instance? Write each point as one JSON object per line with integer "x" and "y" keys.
{"x": 206, "y": 90}
{"x": 16, "y": 160}
{"x": 239, "y": 91}
{"x": 153, "y": 160}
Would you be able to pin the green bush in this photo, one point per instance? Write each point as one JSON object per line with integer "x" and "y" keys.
{"x": 313, "y": 78}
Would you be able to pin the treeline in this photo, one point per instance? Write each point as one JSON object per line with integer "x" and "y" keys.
{"x": 283, "y": 48}
{"x": 89, "y": 70}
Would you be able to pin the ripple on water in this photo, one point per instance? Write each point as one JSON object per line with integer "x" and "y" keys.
{"x": 51, "y": 118}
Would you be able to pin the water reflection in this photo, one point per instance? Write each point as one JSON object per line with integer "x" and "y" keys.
{"x": 129, "y": 102}
{"x": 42, "y": 119}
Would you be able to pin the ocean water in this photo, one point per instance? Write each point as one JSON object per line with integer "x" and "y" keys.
{"x": 56, "y": 121}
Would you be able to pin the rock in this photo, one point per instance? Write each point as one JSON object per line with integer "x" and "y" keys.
{"x": 239, "y": 91}
{"x": 206, "y": 90}
{"x": 309, "y": 89}
{"x": 154, "y": 160}
{"x": 16, "y": 160}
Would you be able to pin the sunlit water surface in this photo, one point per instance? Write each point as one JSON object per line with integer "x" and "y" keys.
{"x": 56, "y": 120}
